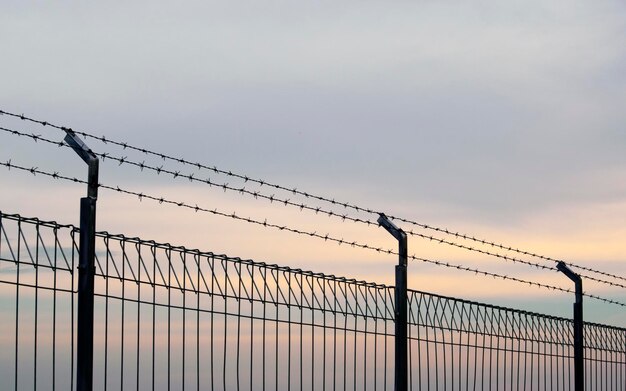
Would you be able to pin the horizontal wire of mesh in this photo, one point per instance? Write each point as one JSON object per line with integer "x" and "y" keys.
{"x": 171, "y": 318}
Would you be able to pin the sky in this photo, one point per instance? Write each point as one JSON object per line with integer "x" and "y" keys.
{"x": 503, "y": 120}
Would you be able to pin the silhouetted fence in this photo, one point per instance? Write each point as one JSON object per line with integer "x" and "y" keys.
{"x": 168, "y": 317}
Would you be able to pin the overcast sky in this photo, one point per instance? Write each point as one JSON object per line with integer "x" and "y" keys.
{"x": 500, "y": 119}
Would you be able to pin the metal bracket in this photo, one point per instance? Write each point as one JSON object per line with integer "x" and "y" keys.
{"x": 397, "y": 233}
{"x": 579, "y": 350}
{"x": 88, "y": 157}
{"x": 401, "y": 303}
{"x": 562, "y": 267}
{"x": 86, "y": 266}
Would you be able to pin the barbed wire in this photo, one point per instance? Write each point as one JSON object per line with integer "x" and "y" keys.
{"x": 301, "y": 206}
{"x": 326, "y": 237}
{"x": 295, "y": 191}
{"x": 177, "y": 174}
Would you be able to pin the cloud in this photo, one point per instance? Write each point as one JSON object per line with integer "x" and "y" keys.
{"x": 492, "y": 117}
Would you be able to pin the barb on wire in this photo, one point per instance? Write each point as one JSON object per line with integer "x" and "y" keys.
{"x": 327, "y": 237}
{"x": 301, "y": 206}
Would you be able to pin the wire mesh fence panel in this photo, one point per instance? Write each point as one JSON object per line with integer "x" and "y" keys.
{"x": 172, "y": 318}
{"x": 179, "y": 318}
{"x": 37, "y": 304}
{"x": 458, "y": 344}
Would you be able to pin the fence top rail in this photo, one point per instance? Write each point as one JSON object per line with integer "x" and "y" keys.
{"x": 513, "y": 310}
{"x": 193, "y": 251}
{"x": 35, "y": 220}
{"x": 209, "y": 254}
{"x": 287, "y": 269}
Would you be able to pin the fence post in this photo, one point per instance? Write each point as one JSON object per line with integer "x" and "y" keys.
{"x": 579, "y": 351}
{"x": 86, "y": 266}
{"x": 401, "y": 302}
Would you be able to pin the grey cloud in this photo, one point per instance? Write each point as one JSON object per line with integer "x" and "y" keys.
{"x": 496, "y": 109}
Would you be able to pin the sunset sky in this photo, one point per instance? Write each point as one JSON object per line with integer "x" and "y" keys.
{"x": 501, "y": 120}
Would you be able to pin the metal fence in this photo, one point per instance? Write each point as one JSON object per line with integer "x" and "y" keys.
{"x": 172, "y": 318}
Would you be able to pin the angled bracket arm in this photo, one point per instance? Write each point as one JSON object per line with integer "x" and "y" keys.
{"x": 397, "y": 233}
{"x": 88, "y": 157}
{"x": 86, "y": 265}
{"x": 579, "y": 350}
{"x": 578, "y": 282}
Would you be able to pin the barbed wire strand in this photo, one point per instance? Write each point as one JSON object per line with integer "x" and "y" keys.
{"x": 301, "y": 206}
{"x": 332, "y": 201}
{"x": 327, "y": 237}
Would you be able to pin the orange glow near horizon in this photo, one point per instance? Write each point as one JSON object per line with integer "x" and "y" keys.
{"x": 591, "y": 236}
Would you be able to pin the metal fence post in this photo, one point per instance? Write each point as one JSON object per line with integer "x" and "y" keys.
{"x": 86, "y": 266}
{"x": 579, "y": 351}
{"x": 401, "y": 303}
